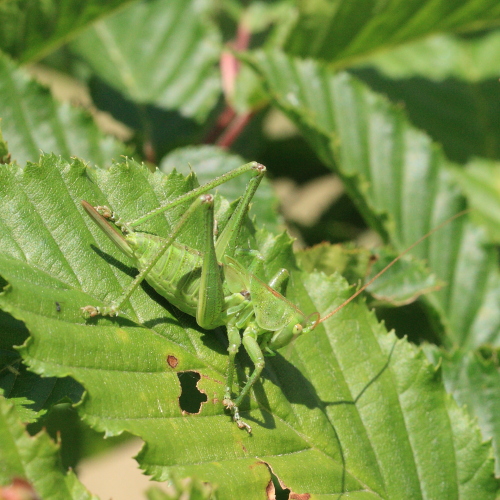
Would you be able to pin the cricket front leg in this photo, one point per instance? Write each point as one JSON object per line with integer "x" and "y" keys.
{"x": 234, "y": 338}
{"x": 253, "y": 349}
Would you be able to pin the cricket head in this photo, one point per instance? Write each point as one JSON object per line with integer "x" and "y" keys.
{"x": 297, "y": 326}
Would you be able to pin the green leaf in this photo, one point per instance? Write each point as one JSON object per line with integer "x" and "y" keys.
{"x": 403, "y": 282}
{"x": 399, "y": 180}
{"x": 344, "y": 31}
{"x": 26, "y": 415}
{"x": 353, "y": 263}
{"x": 259, "y": 17}
{"x": 462, "y": 116}
{"x": 480, "y": 182}
{"x": 36, "y": 394}
{"x": 474, "y": 381}
{"x": 31, "y": 29}
{"x": 448, "y": 87}
{"x": 348, "y": 408}
{"x": 166, "y": 56}
{"x": 34, "y": 459}
{"x": 248, "y": 95}
{"x": 183, "y": 489}
{"x": 440, "y": 57}
{"x": 32, "y": 121}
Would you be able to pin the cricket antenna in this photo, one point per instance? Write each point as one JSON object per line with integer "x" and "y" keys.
{"x": 366, "y": 285}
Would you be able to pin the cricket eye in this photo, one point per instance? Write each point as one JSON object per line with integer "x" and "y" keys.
{"x": 297, "y": 329}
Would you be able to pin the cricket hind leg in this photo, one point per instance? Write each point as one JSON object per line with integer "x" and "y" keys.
{"x": 222, "y": 179}
{"x": 113, "y": 309}
{"x": 211, "y": 291}
{"x": 226, "y": 242}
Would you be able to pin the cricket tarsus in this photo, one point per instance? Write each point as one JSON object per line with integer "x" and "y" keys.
{"x": 219, "y": 291}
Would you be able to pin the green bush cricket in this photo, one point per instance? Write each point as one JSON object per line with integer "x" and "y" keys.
{"x": 212, "y": 285}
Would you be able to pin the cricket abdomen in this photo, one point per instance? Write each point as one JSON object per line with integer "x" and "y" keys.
{"x": 176, "y": 276}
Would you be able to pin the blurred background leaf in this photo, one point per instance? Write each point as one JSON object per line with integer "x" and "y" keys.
{"x": 343, "y": 32}
{"x": 32, "y": 121}
{"x": 32, "y": 29}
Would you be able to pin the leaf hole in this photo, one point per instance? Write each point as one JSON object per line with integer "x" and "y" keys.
{"x": 3, "y": 282}
{"x": 277, "y": 490}
{"x": 280, "y": 493}
{"x": 191, "y": 397}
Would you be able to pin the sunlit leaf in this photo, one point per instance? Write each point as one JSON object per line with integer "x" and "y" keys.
{"x": 480, "y": 182}
{"x": 463, "y": 116}
{"x": 440, "y": 57}
{"x": 474, "y": 381}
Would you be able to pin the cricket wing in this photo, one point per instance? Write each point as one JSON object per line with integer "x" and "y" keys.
{"x": 272, "y": 311}
{"x": 235, "y": 275}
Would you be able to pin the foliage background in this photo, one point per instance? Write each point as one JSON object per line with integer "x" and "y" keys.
{"x": 399, "y": 99}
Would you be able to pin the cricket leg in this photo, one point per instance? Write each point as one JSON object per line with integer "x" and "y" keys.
{"x": 211, "y": 291}
{"x": 279, "y": 281}
{"x": 252, "y": 347}
{"x": 226, "y": 242}
{"x": 234, "y": 338}
{"x": 248, "y": 167}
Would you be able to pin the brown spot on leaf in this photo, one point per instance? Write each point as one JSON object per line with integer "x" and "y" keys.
{"x": 299, "y": 496}
{"x": 172, "y": 361}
